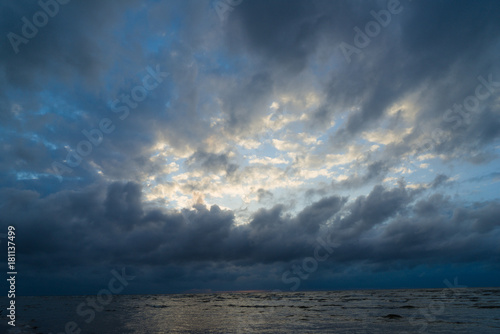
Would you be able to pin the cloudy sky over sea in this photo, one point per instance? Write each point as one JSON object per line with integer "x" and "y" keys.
{"x": 250, "y": 145}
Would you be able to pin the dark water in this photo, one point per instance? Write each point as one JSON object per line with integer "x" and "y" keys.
{"x": 470, "y": 310}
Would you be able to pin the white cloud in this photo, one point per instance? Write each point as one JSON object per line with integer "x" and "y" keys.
{"x": 283, "y": 145}
{"x": 267, "y": 160}
{"x": 386, "y": 137}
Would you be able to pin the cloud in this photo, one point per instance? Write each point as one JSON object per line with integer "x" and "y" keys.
{"x": 263, "y": 195}
{"x": 262, "y": 125}
{"x": 375, "y": 171}
{"x": 212, "y": 162}
{"x": 99, "y": 224}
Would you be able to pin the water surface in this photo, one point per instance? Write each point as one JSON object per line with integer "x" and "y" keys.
{"x": 467, "y": 310}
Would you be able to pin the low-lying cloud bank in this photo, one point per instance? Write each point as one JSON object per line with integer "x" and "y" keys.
{"x": 111, "y": 226}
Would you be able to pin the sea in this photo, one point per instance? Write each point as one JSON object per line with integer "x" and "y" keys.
{"x": 449, "y": 310}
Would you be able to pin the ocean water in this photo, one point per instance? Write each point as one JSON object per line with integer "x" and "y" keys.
{"x": 449, "y": 310}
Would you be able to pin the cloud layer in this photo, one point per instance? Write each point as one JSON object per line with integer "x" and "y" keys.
{"x": 260, "y": 135}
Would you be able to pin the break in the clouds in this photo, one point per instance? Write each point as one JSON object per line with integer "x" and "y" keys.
{"x": 216, "y": 144}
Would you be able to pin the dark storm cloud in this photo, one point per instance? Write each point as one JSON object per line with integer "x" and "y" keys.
{"x": 313, "y": 216}
{"x": 439, "y": 234}
{"x": 283, "y": 32}
{"x": 377, "y": 207}
{"x": 111, "y": 226}
{"x": 123, "y": 204}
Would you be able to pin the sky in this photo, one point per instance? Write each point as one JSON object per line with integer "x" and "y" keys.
{"x": 250, "y": 145}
